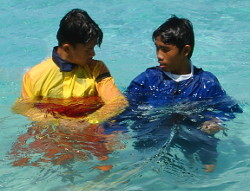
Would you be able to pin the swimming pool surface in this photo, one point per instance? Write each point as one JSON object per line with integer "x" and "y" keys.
{"x": 27, "y": 34}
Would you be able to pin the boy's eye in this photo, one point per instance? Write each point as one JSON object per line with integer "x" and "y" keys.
{"x": 89, "y": 48}
{"x": 163, "y": 49}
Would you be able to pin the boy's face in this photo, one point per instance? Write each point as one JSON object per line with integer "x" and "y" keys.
{"x": 171, "y": 59}
{"x": 82, "y": 54}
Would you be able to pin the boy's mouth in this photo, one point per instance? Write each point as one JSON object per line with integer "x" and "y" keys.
{"x": 163, "y": 65}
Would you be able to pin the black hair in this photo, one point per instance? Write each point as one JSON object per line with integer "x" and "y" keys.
{"x": 77, "y": 27}
{"x": 176, "y": 31}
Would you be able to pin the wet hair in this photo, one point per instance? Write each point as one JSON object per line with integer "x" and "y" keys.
{"x": 77, "y": 27}
{"x": 176, "y": 31}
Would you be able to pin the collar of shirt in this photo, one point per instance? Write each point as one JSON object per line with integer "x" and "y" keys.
{"x": 182, "y": 77}
{"x": 62, "y": 64}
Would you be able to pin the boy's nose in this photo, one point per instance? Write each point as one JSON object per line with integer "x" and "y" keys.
{"x": 92, "y": 53}
{"x": 159, "y": 55}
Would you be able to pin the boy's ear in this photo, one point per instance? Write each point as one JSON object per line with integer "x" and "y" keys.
{"x": 186, "y": 50}
{"x": 66, "y": 47}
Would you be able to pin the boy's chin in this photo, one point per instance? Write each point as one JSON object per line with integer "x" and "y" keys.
{"x": 164, "y": 68}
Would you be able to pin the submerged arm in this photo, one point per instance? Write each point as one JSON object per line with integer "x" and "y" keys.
{"x": 224, "y": 109}
{"x": 114, "y": 101}
{"x": 26, "y": 104}
{"x": 26, "y": 107}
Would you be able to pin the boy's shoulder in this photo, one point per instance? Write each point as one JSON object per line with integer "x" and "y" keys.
{"x": 43, "y": 67}
{"x": 149, "y": 73}
{"x": 45, "y": 63}
{"x": 205, "y": 75}
{"x": 96, "y": 64}
{"x": 98, "y": 69}
{"x": 155, "y": 71}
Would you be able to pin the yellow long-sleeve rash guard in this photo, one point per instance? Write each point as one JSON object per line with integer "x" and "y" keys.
{"x": 46, "y": 81}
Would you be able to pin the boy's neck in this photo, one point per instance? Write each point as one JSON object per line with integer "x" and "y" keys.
{"x": 186, "y": 68}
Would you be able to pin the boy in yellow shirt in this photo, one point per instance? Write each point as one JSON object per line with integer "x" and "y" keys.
{"x": 70, "y": 76}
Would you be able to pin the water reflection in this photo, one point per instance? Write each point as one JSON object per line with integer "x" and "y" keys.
{"x": 181, "y": 126}
{"x": 49, "y": 143}
{"x": 141, "y": 145}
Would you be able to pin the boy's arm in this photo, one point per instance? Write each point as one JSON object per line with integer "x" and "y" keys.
{"x": 224, "y": 109}
{"x": 212, "y": 126}
{"x": 136, "y": 90}
{"x": 26, "y": 104}
{"x": 114, "y": 101}
{"x": 26, "y": 108}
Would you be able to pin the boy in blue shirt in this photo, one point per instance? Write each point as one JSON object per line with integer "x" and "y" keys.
{"x": 177, "y": 80}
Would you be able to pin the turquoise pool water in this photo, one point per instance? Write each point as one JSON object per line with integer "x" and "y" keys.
{"x": 27, "y": 33}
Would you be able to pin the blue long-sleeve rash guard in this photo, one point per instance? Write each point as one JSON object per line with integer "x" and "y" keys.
{"x": 155, "y": 88}
{"x": 189, "y": 103}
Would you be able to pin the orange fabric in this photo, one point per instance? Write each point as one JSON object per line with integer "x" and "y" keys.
{"x": 59, "y": 148}
{"x": 104, "y": 167}
{"x": 108, "y": 91}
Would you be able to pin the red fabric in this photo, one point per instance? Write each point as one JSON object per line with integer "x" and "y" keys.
{"x": 75, "y": 107}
